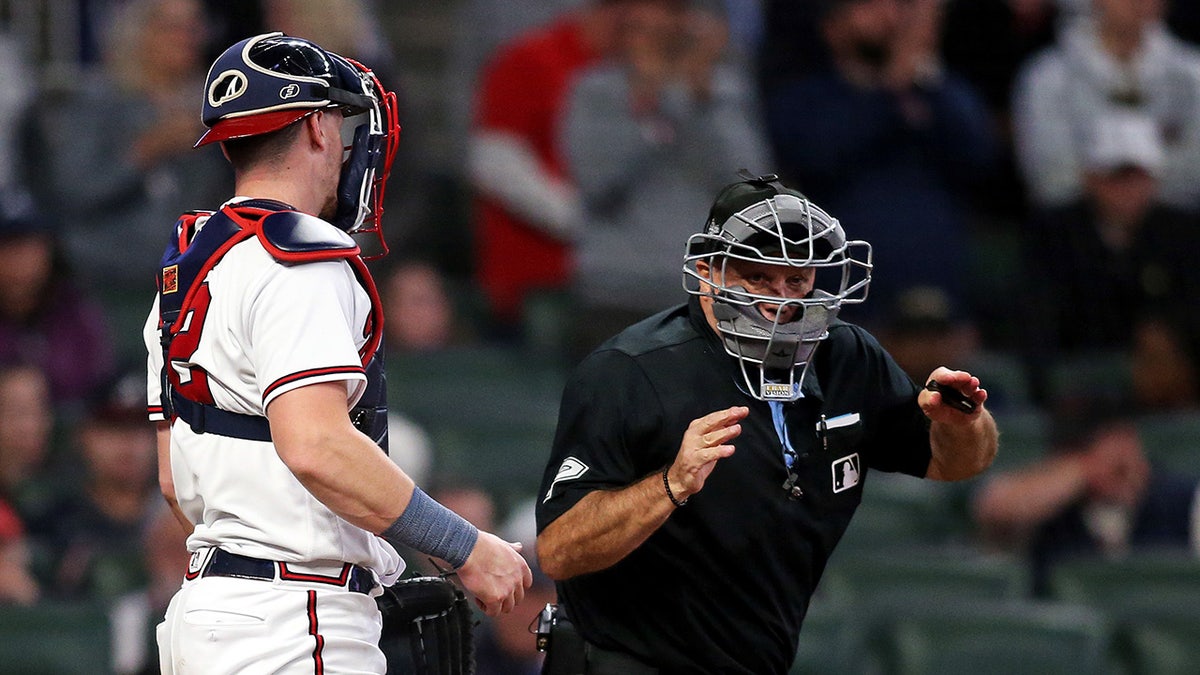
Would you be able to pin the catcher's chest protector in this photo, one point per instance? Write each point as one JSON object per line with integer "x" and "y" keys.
{"x": 289, "y": 236}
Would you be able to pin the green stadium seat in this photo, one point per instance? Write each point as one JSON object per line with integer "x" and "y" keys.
{"x": 1153, "y": 599}
{"x": 1005, "y": 377}
{"x": 1113, "y": 585}
{"x": 903, "y": 575}
{"x": 490, "y": 411}
{"x": 903, "y": 510}
{"x": 55, "y": 639}
{"x": 1172, "y": 440}
{"x": 978, "y": 637}
{"x": 483, "y": 383}
{"x": 831, "y": 642}
{"x": 1024, "y": 438}
{"x": 507, "y": 460}
{"x": 1089, "y": 373}
{"x": 546, "y": 321}
{"x": 1163, "y": 639}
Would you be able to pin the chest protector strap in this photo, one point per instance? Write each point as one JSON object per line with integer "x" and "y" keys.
{"x": 290, "y": 237}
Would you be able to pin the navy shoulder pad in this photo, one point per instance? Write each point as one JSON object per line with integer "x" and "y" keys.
{"x": 291, "y": 236}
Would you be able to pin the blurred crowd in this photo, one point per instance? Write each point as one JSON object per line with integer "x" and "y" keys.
{"x": 1027, "y": 171}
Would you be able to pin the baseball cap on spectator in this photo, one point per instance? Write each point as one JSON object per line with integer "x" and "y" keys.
{"x": 121, "y": 401}
{"x": 18, "y": 217}
{"x": 826, "y": 7}
{"x": 1122, "y": 140}
{"x": 1076, "y": 418}
{"x": 921, "y": 310}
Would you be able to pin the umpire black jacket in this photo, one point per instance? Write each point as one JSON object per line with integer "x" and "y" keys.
{"x": 724, "y": 584}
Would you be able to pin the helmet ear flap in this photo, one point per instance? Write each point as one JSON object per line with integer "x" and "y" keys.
{"x": 365, "y": 170}
{"x": 358, "y": 172}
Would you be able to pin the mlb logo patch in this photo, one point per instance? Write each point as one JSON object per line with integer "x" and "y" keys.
{"x": 845, "y": 472}
{"x": 170, "y": 279}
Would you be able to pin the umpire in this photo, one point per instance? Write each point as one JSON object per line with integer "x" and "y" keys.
{"x": 709, "y": 458}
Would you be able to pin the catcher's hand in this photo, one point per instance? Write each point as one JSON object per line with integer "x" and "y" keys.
{"x": 427, "y": 625}
{"x": 496, "y": 574}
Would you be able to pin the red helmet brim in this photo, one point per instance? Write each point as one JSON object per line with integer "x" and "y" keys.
{"x": 251, "y": 125}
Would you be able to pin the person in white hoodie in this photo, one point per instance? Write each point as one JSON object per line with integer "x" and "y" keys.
{"x": 1120, "y": 58}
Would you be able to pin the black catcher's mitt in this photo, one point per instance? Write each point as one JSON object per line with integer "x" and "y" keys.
{"x": 427, "y": 624}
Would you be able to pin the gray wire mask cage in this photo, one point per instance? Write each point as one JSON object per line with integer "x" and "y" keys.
{"x": 778, "y": 227}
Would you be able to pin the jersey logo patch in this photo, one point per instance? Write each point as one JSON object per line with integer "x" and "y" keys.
{"x": 570, "y": 469}
{"x": 845, "y": 473}
{"x": 170, "y": 279}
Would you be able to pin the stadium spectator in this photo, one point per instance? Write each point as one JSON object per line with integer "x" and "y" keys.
{"x": 1101, "y": 263}
{"x": 227, "y": 22}
{"x": 481, "y": 27}
{"x": 1095, "y": 493}
{"x": 26, "y": 435}
{"x": 922, "y": 332}
{"x": 987, "y": 42}
{"x": 527, "y": 208}
{"x": 89, "y": 538}
{"x": 1165, "y": 364}
{"x": 888, "y": 139}
{"x": 348, "y": 27}
{"x": 1119, "y": 59}
{"x": 1184, "y": 19}
{"x": 45, "y": 317}
{"x": 649, "y": 136}
{"x": 19, "y": 91}
{"x": 421, "y": 313}
{"x": 17, "y": 585}
{"x": 791, "y": 42}
{"x": 112, "y": 157}
{"x": 135, "y": 616}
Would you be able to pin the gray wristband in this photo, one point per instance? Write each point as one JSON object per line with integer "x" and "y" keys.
{"x": 431, "y": 528}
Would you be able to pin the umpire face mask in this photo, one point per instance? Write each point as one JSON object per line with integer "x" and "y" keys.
{"x": 773, "y": 329}
{"x": 773, "y": 354}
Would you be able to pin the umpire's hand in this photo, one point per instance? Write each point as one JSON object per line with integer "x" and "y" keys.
{"x": 496, "y": 574}
{"x": 705, "y": 441}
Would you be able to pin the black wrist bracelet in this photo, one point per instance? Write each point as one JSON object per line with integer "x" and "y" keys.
{"x": 667, "y": 485}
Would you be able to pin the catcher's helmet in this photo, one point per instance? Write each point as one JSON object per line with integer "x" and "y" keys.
{"x": 267, "y": 82}
{"x": 760, "y": 220}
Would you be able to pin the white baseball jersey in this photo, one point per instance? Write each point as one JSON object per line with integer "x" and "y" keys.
{"x": 270, "y": 327}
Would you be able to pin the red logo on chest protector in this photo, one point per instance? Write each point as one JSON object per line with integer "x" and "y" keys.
{"x": 170, "y": 279}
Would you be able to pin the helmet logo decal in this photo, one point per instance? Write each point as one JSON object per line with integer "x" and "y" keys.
{"x": 290, "y": 91}
{"x": 226, "y": 87}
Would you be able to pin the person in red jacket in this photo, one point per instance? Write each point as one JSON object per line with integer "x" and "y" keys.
{"x": 526, "y": 207}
